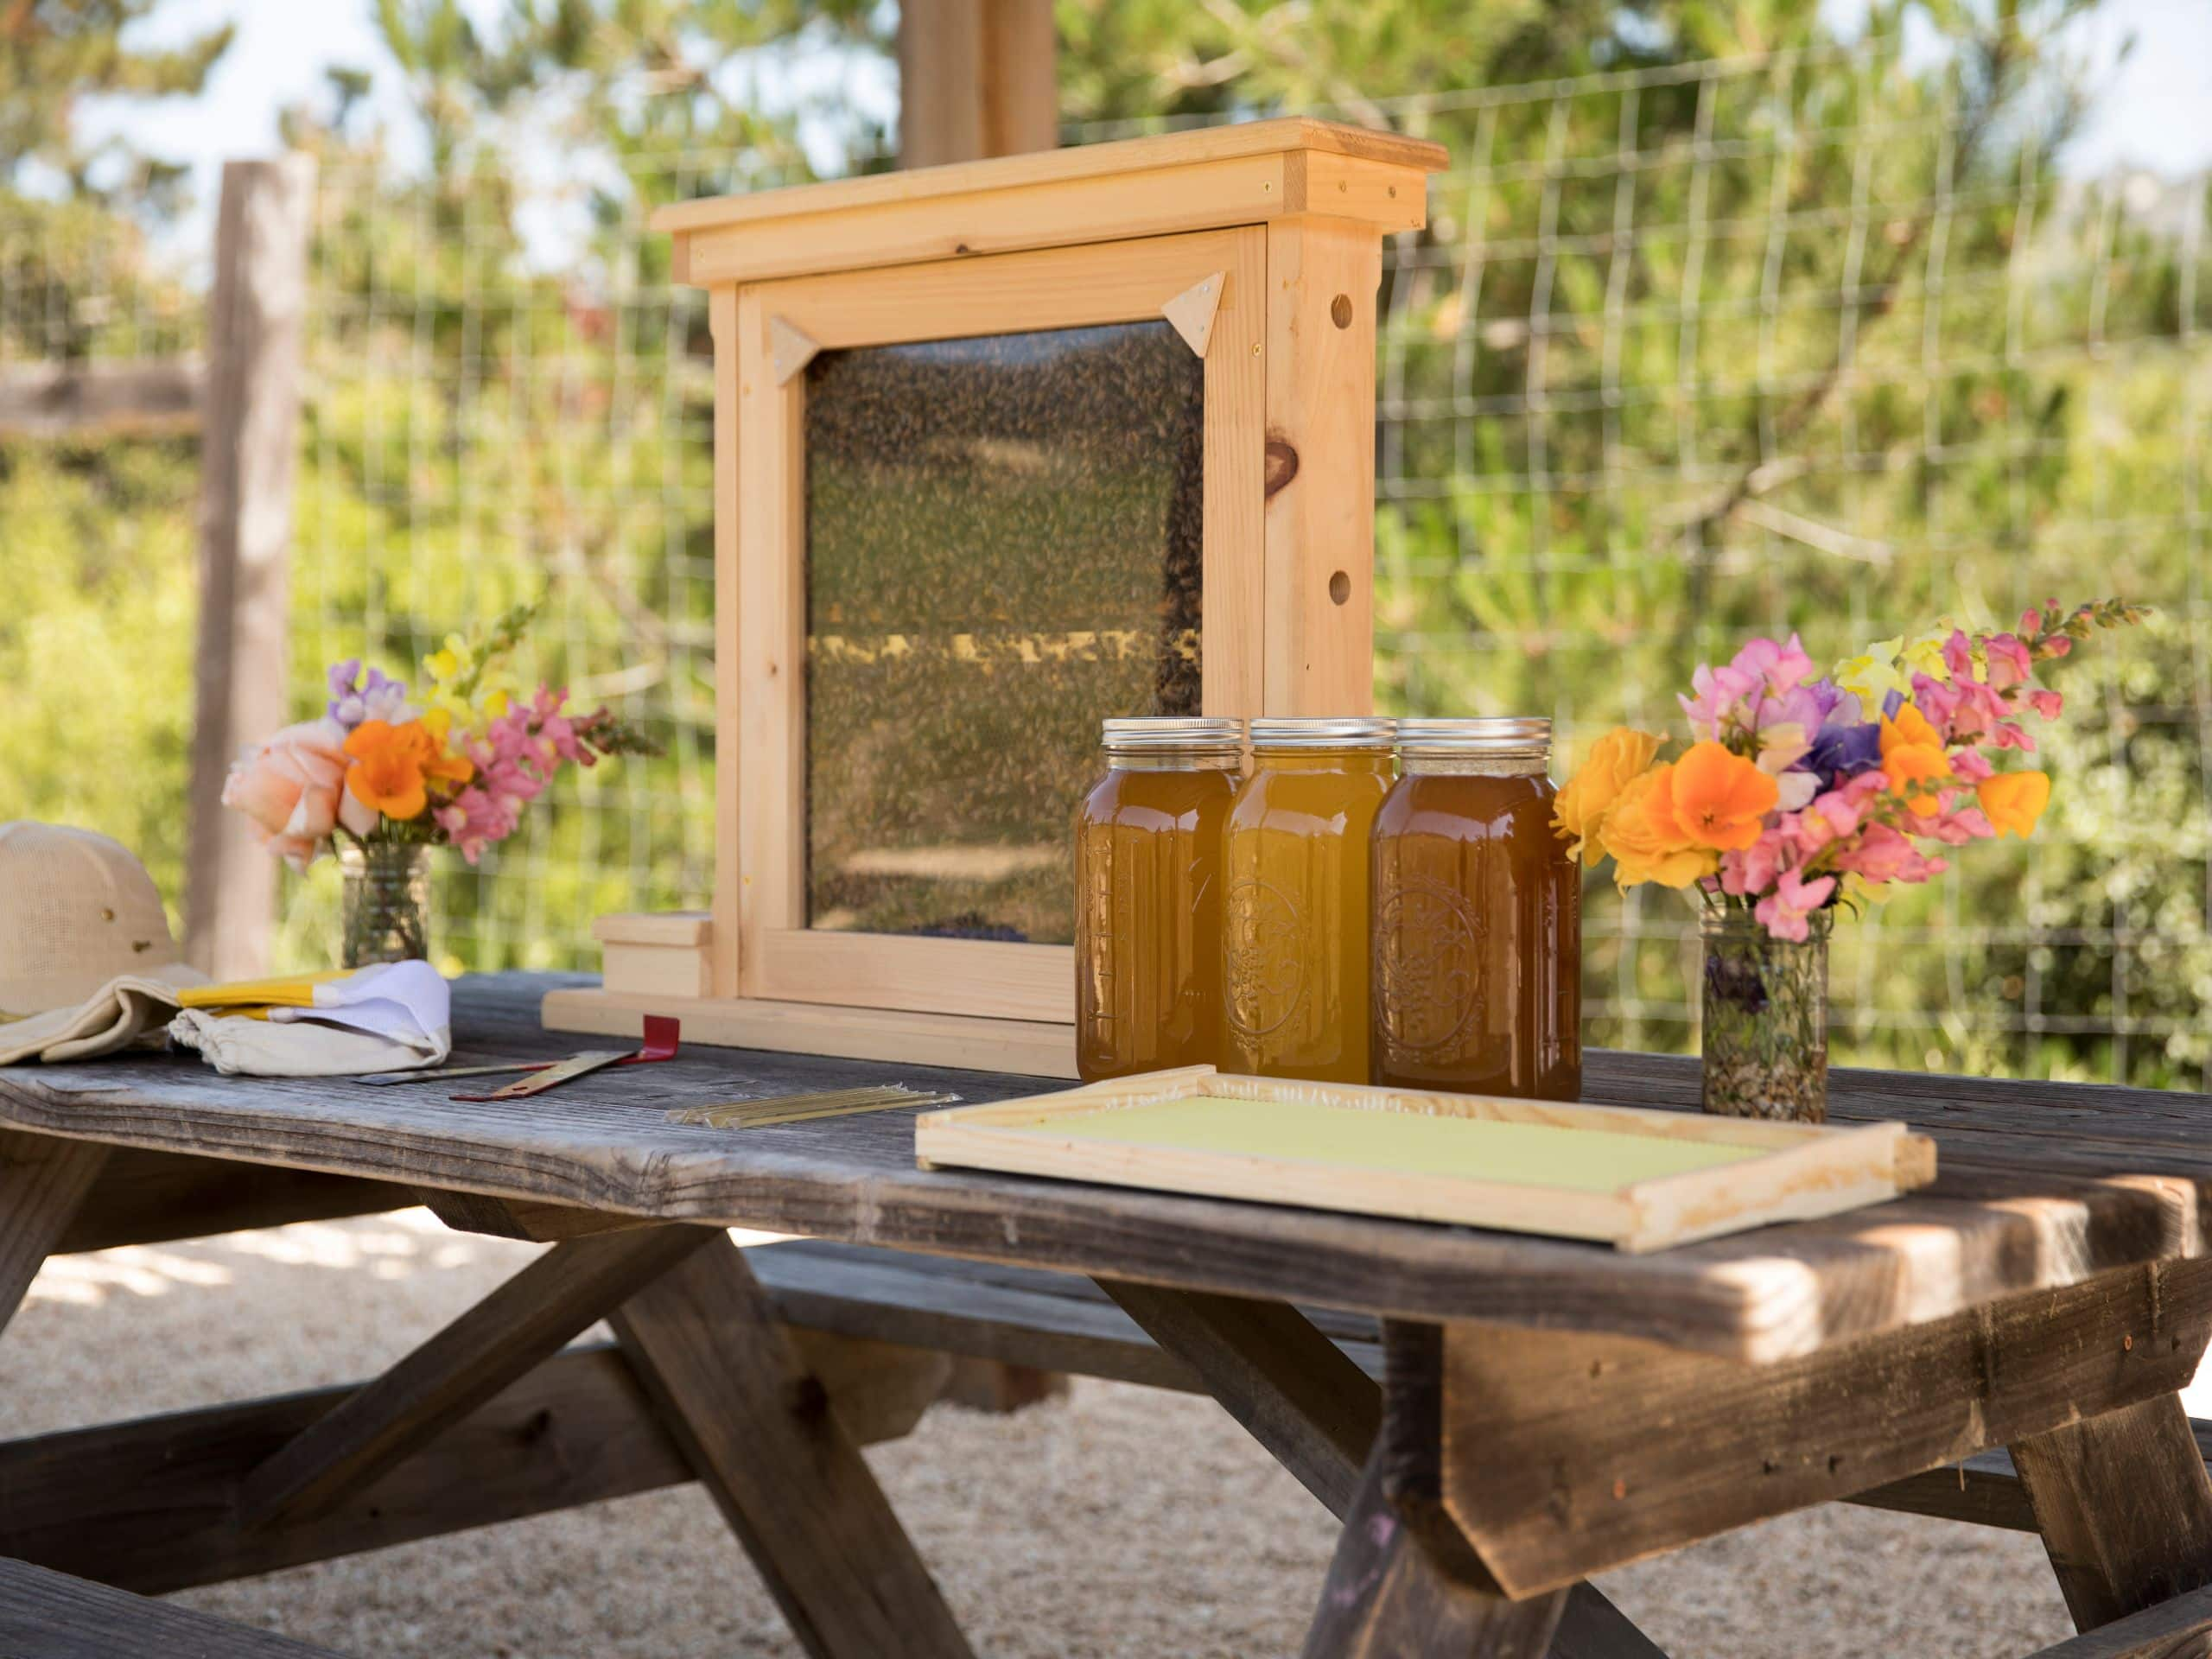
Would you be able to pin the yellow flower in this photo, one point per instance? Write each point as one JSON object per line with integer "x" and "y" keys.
{"x": 1646, "y": 842}
{"x": 1579, "y": 815}
{"x": 2013, "y": 801}
{"x": 451, "y": 663}
{"x": 1872, "y": 675}
{"x": 1888, "y": 665}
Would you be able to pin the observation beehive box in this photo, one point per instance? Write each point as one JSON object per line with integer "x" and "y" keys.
{"x": 1001, "y": 449}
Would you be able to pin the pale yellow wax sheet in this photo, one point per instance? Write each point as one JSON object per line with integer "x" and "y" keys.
{"x": 1351, "y": 1137}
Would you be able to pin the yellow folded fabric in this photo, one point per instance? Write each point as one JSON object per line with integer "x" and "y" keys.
{"x": 292, "y": 991}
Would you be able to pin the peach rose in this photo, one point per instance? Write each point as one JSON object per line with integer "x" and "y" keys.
{"x": 292, "y": 791}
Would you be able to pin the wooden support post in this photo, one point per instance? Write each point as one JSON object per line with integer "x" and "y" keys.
{"x": 248, "y": 448}
{"x": 759, "y": 1428}
{"x": 977, "y": 78}
{"x": 1291, "y": 1388}
{"x": 2125, "y": 1506}
{"x": 1300, "y": 1396}
{"x": 1592, "y": 1628}
{"x": 1404, "y": 1581}
{"x": 43, "y": 1180}
{"x": 1322, "y": 274}
{"x": 511, "y": 1332}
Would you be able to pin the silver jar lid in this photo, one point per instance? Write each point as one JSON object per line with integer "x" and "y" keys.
{"x": 1335, "y": 732}
{"x": 1153, "y": 734}
{"x": 1512, "y": 734}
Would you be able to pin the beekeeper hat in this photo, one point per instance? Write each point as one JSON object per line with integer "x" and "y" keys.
{"x": 76, "y": 910}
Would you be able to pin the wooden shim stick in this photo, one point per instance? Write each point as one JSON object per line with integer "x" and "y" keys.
{"x": 754, "y": 1422}
{"x": 1566, "y": 1455}
{"x": 43, "y": 1180}
{"x": 1289, "y": 1386}
{"x": 2180, "y": 1629}
{"x": 2125, "y": 1506}
{"x": 151, "y": 1505}
{"x": 518, "y": 1327}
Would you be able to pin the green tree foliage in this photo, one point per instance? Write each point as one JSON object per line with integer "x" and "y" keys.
{"x": 95, "y": 533}
{"x": 55, "y": 53}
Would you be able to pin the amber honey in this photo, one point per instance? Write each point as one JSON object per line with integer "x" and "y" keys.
{"x": 1294, "y": 925}
{"x": 1478, "y": 917}
{"x": 1147, "y": 952}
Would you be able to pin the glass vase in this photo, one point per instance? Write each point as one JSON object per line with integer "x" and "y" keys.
{"x": 1766, "y": 1019}
{"x": 385, "y": 911}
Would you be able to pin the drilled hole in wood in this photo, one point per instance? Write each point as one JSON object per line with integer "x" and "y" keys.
{"x": 1340, "y": 587}
{"x": 1340, "y": 310}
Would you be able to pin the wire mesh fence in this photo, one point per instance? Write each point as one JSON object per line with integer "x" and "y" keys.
{"x": 1820, "y": 340}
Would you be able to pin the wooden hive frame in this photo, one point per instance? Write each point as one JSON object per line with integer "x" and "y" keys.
{"x": 1801, "y": 1170}
{"x": 1262, "y": 245}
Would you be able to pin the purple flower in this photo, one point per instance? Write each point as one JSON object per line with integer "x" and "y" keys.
{"x": 1845, "y": 750}
{"x": 353, "y": 701}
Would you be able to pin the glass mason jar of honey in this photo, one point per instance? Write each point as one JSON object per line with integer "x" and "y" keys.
{"x": 1295, "y": 949}
{"x": 1147, "y": 854}
{"x": 1478, "y": 917}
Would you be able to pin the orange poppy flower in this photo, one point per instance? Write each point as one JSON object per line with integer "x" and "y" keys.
{"x": 1646, "y": 842}
{"x": 2013, "y": 801}
{"x": 1721, "y": 798}
{"x": 389, "y": 761}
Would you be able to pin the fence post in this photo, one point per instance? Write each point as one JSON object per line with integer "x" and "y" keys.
{"x": 977, "y": 78}
{"x": 249, "y": 442}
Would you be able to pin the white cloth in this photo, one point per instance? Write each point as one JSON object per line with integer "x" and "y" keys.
{"x": 129, "y": 1009}
{"x": 394, "y": 1017}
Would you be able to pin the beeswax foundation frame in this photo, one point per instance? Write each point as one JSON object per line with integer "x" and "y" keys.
{"x": 1801, "y": 1170}
{"x": 1261, "y": 245}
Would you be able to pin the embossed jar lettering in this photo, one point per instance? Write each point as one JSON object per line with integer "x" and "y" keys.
{"x": 1148, "y": 949}
{"x": 1294, "y": 956}
{"x": 1477, "y": 929}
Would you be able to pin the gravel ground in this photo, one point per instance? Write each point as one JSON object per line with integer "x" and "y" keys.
{"x": 1116, "y": 1523}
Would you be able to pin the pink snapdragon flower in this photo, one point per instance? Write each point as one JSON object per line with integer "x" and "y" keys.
{"x": 1752, "y": 870}
{"x": 1785, "y": 912}
{"x": 1761, "y": 670}
{"x": 1883, "y": 855}
{"x": 1955, "y": 825}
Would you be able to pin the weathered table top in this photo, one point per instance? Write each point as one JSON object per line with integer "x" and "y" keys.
{"x": 2041, "y": 1185}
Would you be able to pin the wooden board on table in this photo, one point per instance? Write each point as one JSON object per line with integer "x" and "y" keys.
{"x": 1639, "y": 1180}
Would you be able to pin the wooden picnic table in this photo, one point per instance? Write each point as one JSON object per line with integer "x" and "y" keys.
{"x": 1496, "y": 1418}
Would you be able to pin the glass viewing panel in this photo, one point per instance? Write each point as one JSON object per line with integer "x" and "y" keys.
{"x": 1003, "y": 539}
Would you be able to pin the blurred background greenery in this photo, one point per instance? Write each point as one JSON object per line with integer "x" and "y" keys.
{"x": 1729, "y": 318}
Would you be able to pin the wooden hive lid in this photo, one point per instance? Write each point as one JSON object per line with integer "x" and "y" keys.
{"x": 1201, "y": 180}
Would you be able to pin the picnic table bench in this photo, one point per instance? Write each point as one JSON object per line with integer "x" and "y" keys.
{"x": 1496, "y": 1418}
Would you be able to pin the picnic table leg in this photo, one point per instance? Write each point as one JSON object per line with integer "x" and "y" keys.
{"x": 2125, "y": 1508}
{"x": 43, "y": 1180}
{"x": 1401, "y": 1588}
{"x": 759, "y": 1428}
{"x": 1299, "y": 1395}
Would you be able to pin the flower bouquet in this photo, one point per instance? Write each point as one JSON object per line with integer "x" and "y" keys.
{"x": 1799, "y": 793}
{"x": 387, "y": 774}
